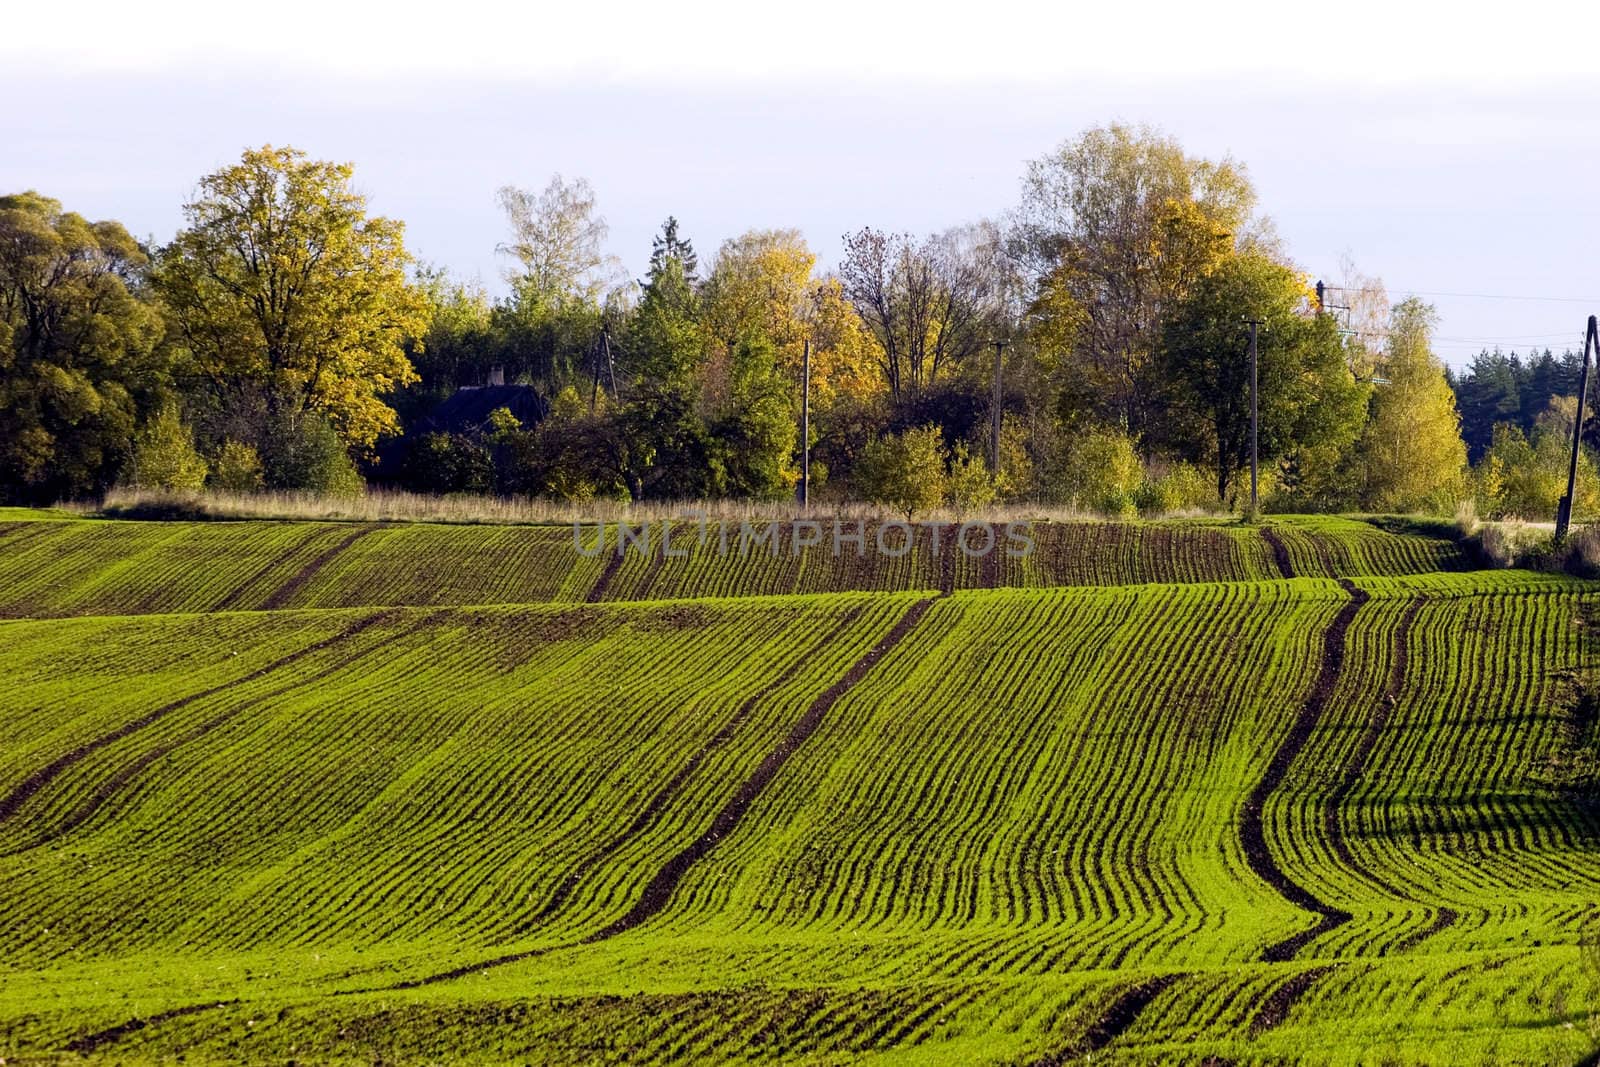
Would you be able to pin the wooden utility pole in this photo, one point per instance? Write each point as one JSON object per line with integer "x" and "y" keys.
{"x": 994, "y": 434}
{"x": 1591, "y": 339}
{"x": 603, "y": 351}
{"x": 1254, "y": 416}
{"x": 805, "y": 426}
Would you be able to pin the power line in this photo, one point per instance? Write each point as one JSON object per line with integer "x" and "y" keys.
{"x": 1463, "y": 296}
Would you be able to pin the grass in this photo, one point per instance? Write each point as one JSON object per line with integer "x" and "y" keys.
{"x": 905, "y": 823}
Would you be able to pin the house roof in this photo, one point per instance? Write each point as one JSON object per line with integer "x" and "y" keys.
{"x": 467, "y": 410}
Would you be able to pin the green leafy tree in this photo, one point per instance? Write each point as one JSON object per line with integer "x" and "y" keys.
{"x": 165, "y": 457}
{"x": 237, "y": 468}
{"x": 969, "y": 485}
{"x": 1526, "y": 478}
{"x": 665, "y": 344}
{"x": 904, "y": 471}
{"x": 1121, "y": 221}
{"x": 1310, "y": 405}
{"x": 81, "y": 353}
{"x": 1102, "y": 472}
{"x": 1411, "y": 454}
{"x": 283, "y": 288}
{"x": 757, "y": 431}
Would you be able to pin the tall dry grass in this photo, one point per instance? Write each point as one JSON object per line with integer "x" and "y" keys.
{"x": 387, "y": 505}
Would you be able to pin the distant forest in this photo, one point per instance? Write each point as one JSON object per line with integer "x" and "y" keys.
{"x": 1088, "y": 348}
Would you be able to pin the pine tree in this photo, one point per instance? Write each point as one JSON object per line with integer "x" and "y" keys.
{"x": 669, "y": 246}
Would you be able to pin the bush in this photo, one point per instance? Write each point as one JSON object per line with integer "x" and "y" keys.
{"x": 306, "y": 454}
{"x": 448, "y": 463}
{"x": 164, "y": 455}
{"x": 1102, "y": 473}
{"x": 1184, "y": 487}
{"x": 969, "y": 485}
{"x": 237, "y": 468}
{"x": 903, "y": 471}
{"x": 1510, "y": 543}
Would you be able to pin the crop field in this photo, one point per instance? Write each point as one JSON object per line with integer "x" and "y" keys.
{"x": 1201, "y": 793}
{"x": 82, "y": 567}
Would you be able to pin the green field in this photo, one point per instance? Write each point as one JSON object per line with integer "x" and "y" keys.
{"x": 322, "y": 792}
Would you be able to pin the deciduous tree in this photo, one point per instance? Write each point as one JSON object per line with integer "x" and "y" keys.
{"x": 81, "y": 354}
{"x": 282, "y": 287}
{"x": 1411, "y": 451}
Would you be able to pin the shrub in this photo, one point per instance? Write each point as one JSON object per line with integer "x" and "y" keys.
{"x": 904, "y": 471}
{"x": 237, "y": 468}
{"x": 305, "y": 453}
{"x": 1102, "y": 473}
{"x": 1184, "y": 487}
{"x": 969, "y": 485}
{"x": 164, "y": 455}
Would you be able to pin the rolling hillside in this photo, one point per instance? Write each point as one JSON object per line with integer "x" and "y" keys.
{"x": 416, "y": 793}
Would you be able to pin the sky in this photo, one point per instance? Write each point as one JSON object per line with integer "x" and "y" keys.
{"x": 1454, "y": 155}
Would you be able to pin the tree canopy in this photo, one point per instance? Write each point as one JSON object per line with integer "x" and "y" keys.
{"x": 81, "y": 352}
{"x": 282, "y": 286}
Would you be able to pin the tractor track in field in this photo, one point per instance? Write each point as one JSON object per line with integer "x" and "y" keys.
{"x": 230, "y": 602}
{"x": 1113, "y": 1022}
{"x": 613, "y": 564}
{"x": 91, "y": 1042}
{"x": 1280, "y": 551}
{"x": 1275, "y": 1009}
{"x": 669, "y": 792}
{"x": 658, "y": 891}
{"x": 1356, "y": 765}
{"x": 29, "y": 786}
{"x": 1252, "y": 834}
{"x": 282, "y": 595}
{"x": 109, "y": 788}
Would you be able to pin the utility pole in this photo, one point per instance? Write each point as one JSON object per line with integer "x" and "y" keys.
{"x": 994, "y": 435}
{"x": 1591, "y": 338}
{"x": 611, "y": 367}
{"x": 1254, "y": 415}
{"x": 602, "y": 350}
{"x": 805, "y": 426}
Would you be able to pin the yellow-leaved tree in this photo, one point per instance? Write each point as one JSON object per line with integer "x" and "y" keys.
{"x": 1411, "y": 451}
{"x": 291, "y": 299}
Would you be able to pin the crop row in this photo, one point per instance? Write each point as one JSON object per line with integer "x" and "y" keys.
{"x": 67, "y": 568}
{"x": 1015, "y": 810}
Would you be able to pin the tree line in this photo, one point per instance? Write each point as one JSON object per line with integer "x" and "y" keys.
{"x": 286, "y": 338}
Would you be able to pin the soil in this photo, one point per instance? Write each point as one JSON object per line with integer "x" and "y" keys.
{"x": 1252, "y": 836}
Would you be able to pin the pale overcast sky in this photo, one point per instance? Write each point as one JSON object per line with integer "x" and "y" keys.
{"x": 1454, "y": 155}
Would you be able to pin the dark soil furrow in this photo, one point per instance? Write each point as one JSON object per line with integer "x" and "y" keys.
{"x": 284, "y": 593}
{"x": 48, "y": 773}
{"x": 669, "y": 792}
{"x": 1275, "y": 1009}
{"x": 602, "y": 583}
{"x": 236, "y": 594}
{"x": 1252, "y": 834}
{"x": 90, "y": 1042}
{"x": 1280, "y": 551}
{"x": 660, "y": 888}
{"x": 659, "y": 891}
{"x": 1356, "y": 766}
{"x": 1119, "y": 1015}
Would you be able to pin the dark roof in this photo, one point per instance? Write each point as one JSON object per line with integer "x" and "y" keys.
{"x": 468, "y": 410}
